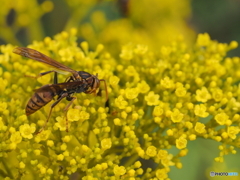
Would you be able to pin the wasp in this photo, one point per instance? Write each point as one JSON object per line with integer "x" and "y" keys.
{"x": 78, "y": 82}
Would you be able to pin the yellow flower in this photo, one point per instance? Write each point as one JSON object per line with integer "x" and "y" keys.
{"x": 63, "y": 147}
{"x": 233, "y": 44}
{"x": 178, "y": 165}
{"x": 119, "y": 170}
{"x": 131, "y": 71}
{"x": 60, "y": 157}
{"x": 131, "y": 93}
{"x": 37, "y": 152}
{"x": 50, "y": 143}
{"x": 22, "y": 118}
{"x": 3, "y": 106}
{"x": 166, "y": 162}
{"x": 106, "y": 143}
{"x": 135, "y": 116}
{"x": 127, "y": 52}
{"x": 162, "y": 154}
{"x": 192, "y": 137}
{"x": 221, "y": 118}
{"x": 16, "y": 137}
{"x": 117, "y": 122}
{"x": 161, "y": 173}
{"x": 181, "y": 143}
{"x": 99, "y": 48}
{"x": 47, "y": 6}
{"x": 43, "y": 136}
{"x": 61, "y": 123}
{"x": 141, "y": 49}
{"x": 104, "y": 166}
{"x": 203, "y": 95}
{"x": 170, "y": 132}
{"x": 176, "y": 116}
{"x": 83, "y": 116}
{"x": 233, "y": 131}
{"x": 73, "y": 114}
{"x": 85, "y": 148}
{"x": 189, "y": 125}
{"x": 167, "y": 83}
{"x": 49, "y": 171}
{"x": 140, "y": 151}
{"x": 84, "y": 46}
{"x": 126, "y": 141}
{"x": 165, "y": 51}
{"x": 157, "y": 111}
{"x": 217, "y": 95}
{"x": 27, "y": 131}
{"x": 114, "y": 80}
{"x": 66, "y": 54}
{"x": 4, "y": 83}
{"x": 200, "y": 127}
{"x": 181, "y": 91}
{"x": 120, "y": 102}
{"x": 151, "y": 151}
{"x": 22, "y": 165}
{"x": 2, "y": 126}
{"x": 143, "y": 87}
{"x": 132, "y": 173}
{"x": 137, "y": 164}
{"x": 152, "y": 99}
{"x": 203, "y": 39}
{"x": 200, "y": 110}
{"x": 183, "y": 152}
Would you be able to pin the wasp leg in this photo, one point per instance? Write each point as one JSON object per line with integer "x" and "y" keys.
{"x": 55, "y": 78}
{"x": 66, "y": 108}
{"x": 50, "y": 112}
{"x": 41, "y": 74}
{"x": 106, "y": 90}
{"x": 69, "y": 104}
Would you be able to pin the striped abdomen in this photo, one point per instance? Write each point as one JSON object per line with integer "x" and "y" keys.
{"x": 38, "y": 100}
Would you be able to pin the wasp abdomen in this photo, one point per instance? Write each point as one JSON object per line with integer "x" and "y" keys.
{"x": 37, "y": 101}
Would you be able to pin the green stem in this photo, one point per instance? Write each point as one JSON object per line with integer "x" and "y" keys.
{"x": 9, "y": 173}
{"x": 131, "y": 160}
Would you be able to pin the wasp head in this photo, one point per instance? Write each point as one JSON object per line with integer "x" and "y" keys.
{"x": 92, "y": 82}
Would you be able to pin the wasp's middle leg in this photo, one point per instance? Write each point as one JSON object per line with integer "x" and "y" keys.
{"x": 66, "y": 108}
{"x": 44, "y": 73}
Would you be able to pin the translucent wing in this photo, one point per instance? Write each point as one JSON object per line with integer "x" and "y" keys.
{"x": 35, "y": 55}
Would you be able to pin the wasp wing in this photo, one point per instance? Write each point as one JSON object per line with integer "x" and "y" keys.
{"x": 71, "y": 87}
{"x": 35, "y": 55}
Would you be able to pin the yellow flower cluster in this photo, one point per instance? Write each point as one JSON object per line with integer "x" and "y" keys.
{"x": 156, "y": 101}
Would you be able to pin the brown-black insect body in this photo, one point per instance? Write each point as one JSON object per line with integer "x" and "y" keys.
{"x": 78, "y": 82}
{"x": 45, "y": 94}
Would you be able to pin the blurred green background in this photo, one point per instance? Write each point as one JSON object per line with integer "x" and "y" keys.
{"x": 30, "y": 22}
{"x": 219, "y": 18}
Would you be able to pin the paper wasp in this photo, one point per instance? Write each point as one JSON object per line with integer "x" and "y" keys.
{"x": 78, "y": 82}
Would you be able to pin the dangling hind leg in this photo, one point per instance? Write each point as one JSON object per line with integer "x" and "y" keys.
{"x": 50, "y": 112}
